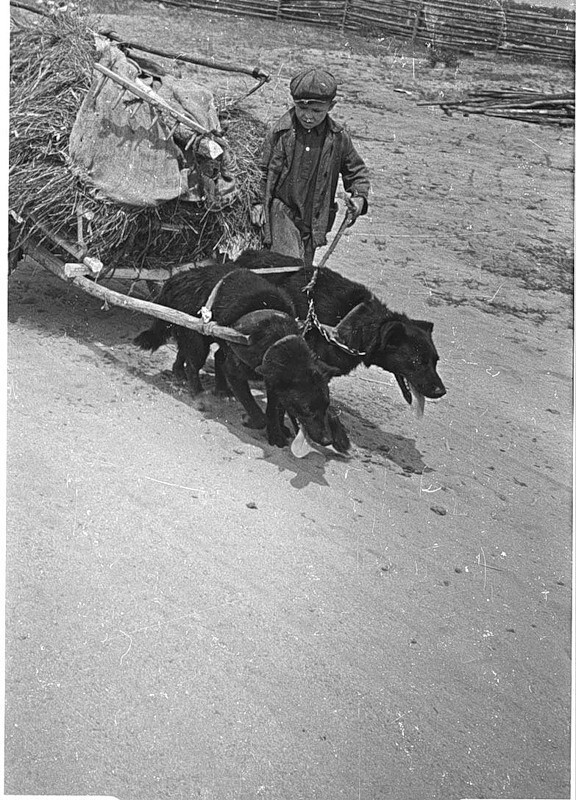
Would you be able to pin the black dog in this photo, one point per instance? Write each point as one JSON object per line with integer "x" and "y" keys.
{"x": 364, "y": 330}
{"x": 296, "y": 381}
{"x": 240, "y": 293}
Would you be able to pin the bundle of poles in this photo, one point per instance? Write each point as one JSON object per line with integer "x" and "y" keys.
{"x": 524, "y": 105}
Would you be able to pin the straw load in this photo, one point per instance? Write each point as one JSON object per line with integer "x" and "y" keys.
{"x": 123, "y": 181}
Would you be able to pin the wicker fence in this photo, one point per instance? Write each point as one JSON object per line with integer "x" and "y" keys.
{"x": 468, "y": 25}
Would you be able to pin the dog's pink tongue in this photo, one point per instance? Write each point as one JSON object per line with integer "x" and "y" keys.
{"x": 418, "y": 401}
{"x": 300, "y": 446}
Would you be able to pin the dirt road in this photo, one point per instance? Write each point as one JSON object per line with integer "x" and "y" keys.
{"x": 193, "y": 613}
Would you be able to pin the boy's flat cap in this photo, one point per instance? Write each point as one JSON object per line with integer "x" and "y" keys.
{"x": 313, "y": 84}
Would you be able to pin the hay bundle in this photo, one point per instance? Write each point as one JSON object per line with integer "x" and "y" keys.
{"x": 51, "y": 73}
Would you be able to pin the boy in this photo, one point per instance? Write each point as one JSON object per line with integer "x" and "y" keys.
{"x": 303, "y": 156}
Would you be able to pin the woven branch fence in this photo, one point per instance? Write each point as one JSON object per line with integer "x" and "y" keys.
{"x": 452, "y": 24}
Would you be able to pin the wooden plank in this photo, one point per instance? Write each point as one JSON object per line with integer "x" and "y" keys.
{"x": 230, "y": 8}
{"x": 133, "y": 274}
{"x": 45, "y": 259}
{"x": 532, "y": 34}
{"x": 539, "y": 16}
{"x": 75, "y": 270}
{"x": 388, "y": 25}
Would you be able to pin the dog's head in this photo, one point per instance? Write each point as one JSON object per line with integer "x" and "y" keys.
{"x": 404, "y": 347}
{"x": 299, "y": 381}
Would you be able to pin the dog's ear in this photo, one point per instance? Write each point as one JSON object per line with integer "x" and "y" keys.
{"x": 284, "y": 359}
{"x": 349, "y": 330}
{"x": 422, "y": 323}
{"x": 393, "y": 333}
{"x": 270, "y": 372}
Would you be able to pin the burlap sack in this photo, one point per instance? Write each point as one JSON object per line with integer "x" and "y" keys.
{"x": 117, "y": 149}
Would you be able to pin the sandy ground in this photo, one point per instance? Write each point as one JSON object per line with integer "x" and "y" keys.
{"x": 193, "y": 613}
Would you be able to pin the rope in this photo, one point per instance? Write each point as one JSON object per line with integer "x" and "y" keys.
{"x": 208, "y": 328}
{"x": 206, "y": 310}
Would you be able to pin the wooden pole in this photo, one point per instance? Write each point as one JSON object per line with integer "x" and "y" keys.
{"x": 146, "y": 94}
{"x": 45, "y": 259}
{"x": 417, "y": 21}
{"x": 344, "y": 15}
{"x": 94, "y": 264}
{"x": 202, "y": 62}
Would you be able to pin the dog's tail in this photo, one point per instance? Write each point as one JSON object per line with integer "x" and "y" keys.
{"x": 155, "y": 336}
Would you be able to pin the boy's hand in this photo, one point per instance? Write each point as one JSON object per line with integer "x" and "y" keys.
{"x": 257, "y": 214}
{"x": 355, "y": 206}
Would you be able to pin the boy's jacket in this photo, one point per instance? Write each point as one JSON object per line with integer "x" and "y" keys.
{"x": 338, "y": 157}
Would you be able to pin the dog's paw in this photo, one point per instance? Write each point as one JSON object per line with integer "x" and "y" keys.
{"x": 253, "y": 422}
{"x": 178, "y": 372}
{"x": 223, "y": 392}
{"x": 276, "y": 437}
{"x": 195, "y": 389}
{"x": 339, "y": 434}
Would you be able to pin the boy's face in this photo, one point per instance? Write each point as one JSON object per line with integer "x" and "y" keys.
{"x": 311, "y": 113}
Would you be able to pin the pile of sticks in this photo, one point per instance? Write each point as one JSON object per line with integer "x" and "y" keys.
{"x": 525, "y": 105}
